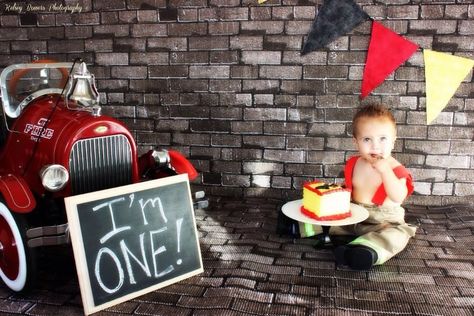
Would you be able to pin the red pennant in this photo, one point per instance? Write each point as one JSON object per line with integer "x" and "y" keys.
{"x": 387, "y": 51}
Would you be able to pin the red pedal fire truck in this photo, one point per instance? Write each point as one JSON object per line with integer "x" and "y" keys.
{"x": 55, "y": 143}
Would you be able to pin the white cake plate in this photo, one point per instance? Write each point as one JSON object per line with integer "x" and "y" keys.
{"x": 292, "y": 209}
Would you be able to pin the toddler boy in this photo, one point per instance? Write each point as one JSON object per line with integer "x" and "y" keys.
{"x": 380, "y": 184}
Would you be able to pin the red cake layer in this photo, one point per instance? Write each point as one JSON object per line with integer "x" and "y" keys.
{"x": 325, "y": 218}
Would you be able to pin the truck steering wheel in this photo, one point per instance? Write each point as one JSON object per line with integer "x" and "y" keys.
{"x": 17, "y": 75}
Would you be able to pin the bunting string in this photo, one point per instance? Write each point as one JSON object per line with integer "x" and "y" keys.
{"x": 386, "y": 53}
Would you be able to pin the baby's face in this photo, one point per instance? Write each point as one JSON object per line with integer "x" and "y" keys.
{"x": 375, "y": 138}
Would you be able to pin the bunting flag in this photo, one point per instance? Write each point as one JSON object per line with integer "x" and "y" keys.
{"x": 261, "y": 1}
{"x": 336, "y": 18}
{"x": 443, "y": 75}
{"x": 387, "y": 51}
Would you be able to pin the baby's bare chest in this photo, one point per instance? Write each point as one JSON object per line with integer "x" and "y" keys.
{"x": 366, "y": 177}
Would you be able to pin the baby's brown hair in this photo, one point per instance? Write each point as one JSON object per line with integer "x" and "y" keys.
{"x": 373, "y": 111}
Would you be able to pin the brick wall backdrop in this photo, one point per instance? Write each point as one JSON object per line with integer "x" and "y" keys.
{"x": 223, "y": 82}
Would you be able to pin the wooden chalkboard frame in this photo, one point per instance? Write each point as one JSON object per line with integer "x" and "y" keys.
{"x": 79, "y": 250}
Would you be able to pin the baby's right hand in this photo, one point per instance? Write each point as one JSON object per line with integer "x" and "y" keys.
{"x": 381, "y": 165}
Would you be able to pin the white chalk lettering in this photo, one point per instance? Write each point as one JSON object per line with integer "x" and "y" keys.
{"x": 143, "y": 264}
{"x": 179, "y": 223}
{"x": 114, "y": 230}
{"x": 132, "y": 197}
{"x": 169, "y": 269}
{"x": 156, "y": 252}
{"x": 117, "y": 265}
{"x": 152, "y": 202}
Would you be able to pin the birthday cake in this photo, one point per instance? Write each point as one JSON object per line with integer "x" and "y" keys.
{"x": 325, "y": 202}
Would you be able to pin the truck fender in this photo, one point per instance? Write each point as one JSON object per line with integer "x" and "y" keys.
{"x": 16, "y": 193}
{"x": 182, "y": 165}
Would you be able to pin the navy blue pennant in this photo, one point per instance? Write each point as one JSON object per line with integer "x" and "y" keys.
{"x": 336, "y": 18}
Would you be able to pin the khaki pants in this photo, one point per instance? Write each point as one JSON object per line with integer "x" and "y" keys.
{"x": 384, "y": 231}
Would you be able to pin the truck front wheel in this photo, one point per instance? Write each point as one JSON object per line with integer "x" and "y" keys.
{"x": 17, "y": 261}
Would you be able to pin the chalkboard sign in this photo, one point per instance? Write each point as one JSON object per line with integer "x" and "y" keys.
{"x": 131, "y": 240}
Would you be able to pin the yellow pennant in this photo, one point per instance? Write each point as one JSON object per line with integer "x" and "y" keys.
{"x": 261, "y": 1}
{"x": 443, "y": 75}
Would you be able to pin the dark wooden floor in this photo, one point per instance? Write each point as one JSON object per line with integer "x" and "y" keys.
{"x": 250, "y": 270}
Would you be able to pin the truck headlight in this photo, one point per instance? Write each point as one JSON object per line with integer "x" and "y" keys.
{"x": 54, "y": 177}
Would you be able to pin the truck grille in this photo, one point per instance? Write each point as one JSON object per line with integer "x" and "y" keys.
{"x": 100, "y": 163}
